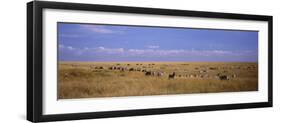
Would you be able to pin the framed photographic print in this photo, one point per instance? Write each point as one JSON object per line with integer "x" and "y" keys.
{"x": 96, "y": 61}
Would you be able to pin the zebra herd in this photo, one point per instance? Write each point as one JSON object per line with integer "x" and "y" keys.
{"x": 203, "y": 74}
{"x": 199, "y": 73}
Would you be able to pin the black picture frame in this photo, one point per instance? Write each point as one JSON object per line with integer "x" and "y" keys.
{"x": 35, "y": 69}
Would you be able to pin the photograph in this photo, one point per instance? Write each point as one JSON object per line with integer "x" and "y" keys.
{"x": 105, "y": 60}
{"x": 90, "y": 61}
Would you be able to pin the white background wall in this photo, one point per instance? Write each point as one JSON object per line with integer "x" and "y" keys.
{"x": 13, "y": 61}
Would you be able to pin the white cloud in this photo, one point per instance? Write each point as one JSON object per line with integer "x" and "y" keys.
{"x": 70, "y": 48}
{"x": 221, "y": 52}
{"x": 152, "y": 46}
{"x": 179, "y": 52}
{"x": 139, "y": 51}
{"x": 61, "y": 46}
{"x": 100, "y": 51}
{"x": 109, "y": 50}
{"x": 99, "y": 29}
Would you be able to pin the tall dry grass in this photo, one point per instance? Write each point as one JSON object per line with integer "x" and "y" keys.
{"x": 83, "y": 80}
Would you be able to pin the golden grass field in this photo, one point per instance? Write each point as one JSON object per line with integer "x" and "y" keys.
{"x": 115, "y": 79}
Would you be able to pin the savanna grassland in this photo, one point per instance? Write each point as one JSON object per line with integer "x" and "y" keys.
{"x": 115, "y": 79}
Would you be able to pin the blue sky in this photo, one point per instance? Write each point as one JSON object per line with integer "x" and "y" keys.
{"x": 92, "y": 42}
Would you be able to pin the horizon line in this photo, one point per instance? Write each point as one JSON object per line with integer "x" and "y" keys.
{"x": 163, "y": 61}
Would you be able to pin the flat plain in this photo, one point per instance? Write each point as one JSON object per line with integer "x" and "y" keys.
{"x": 115, "y": 79}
